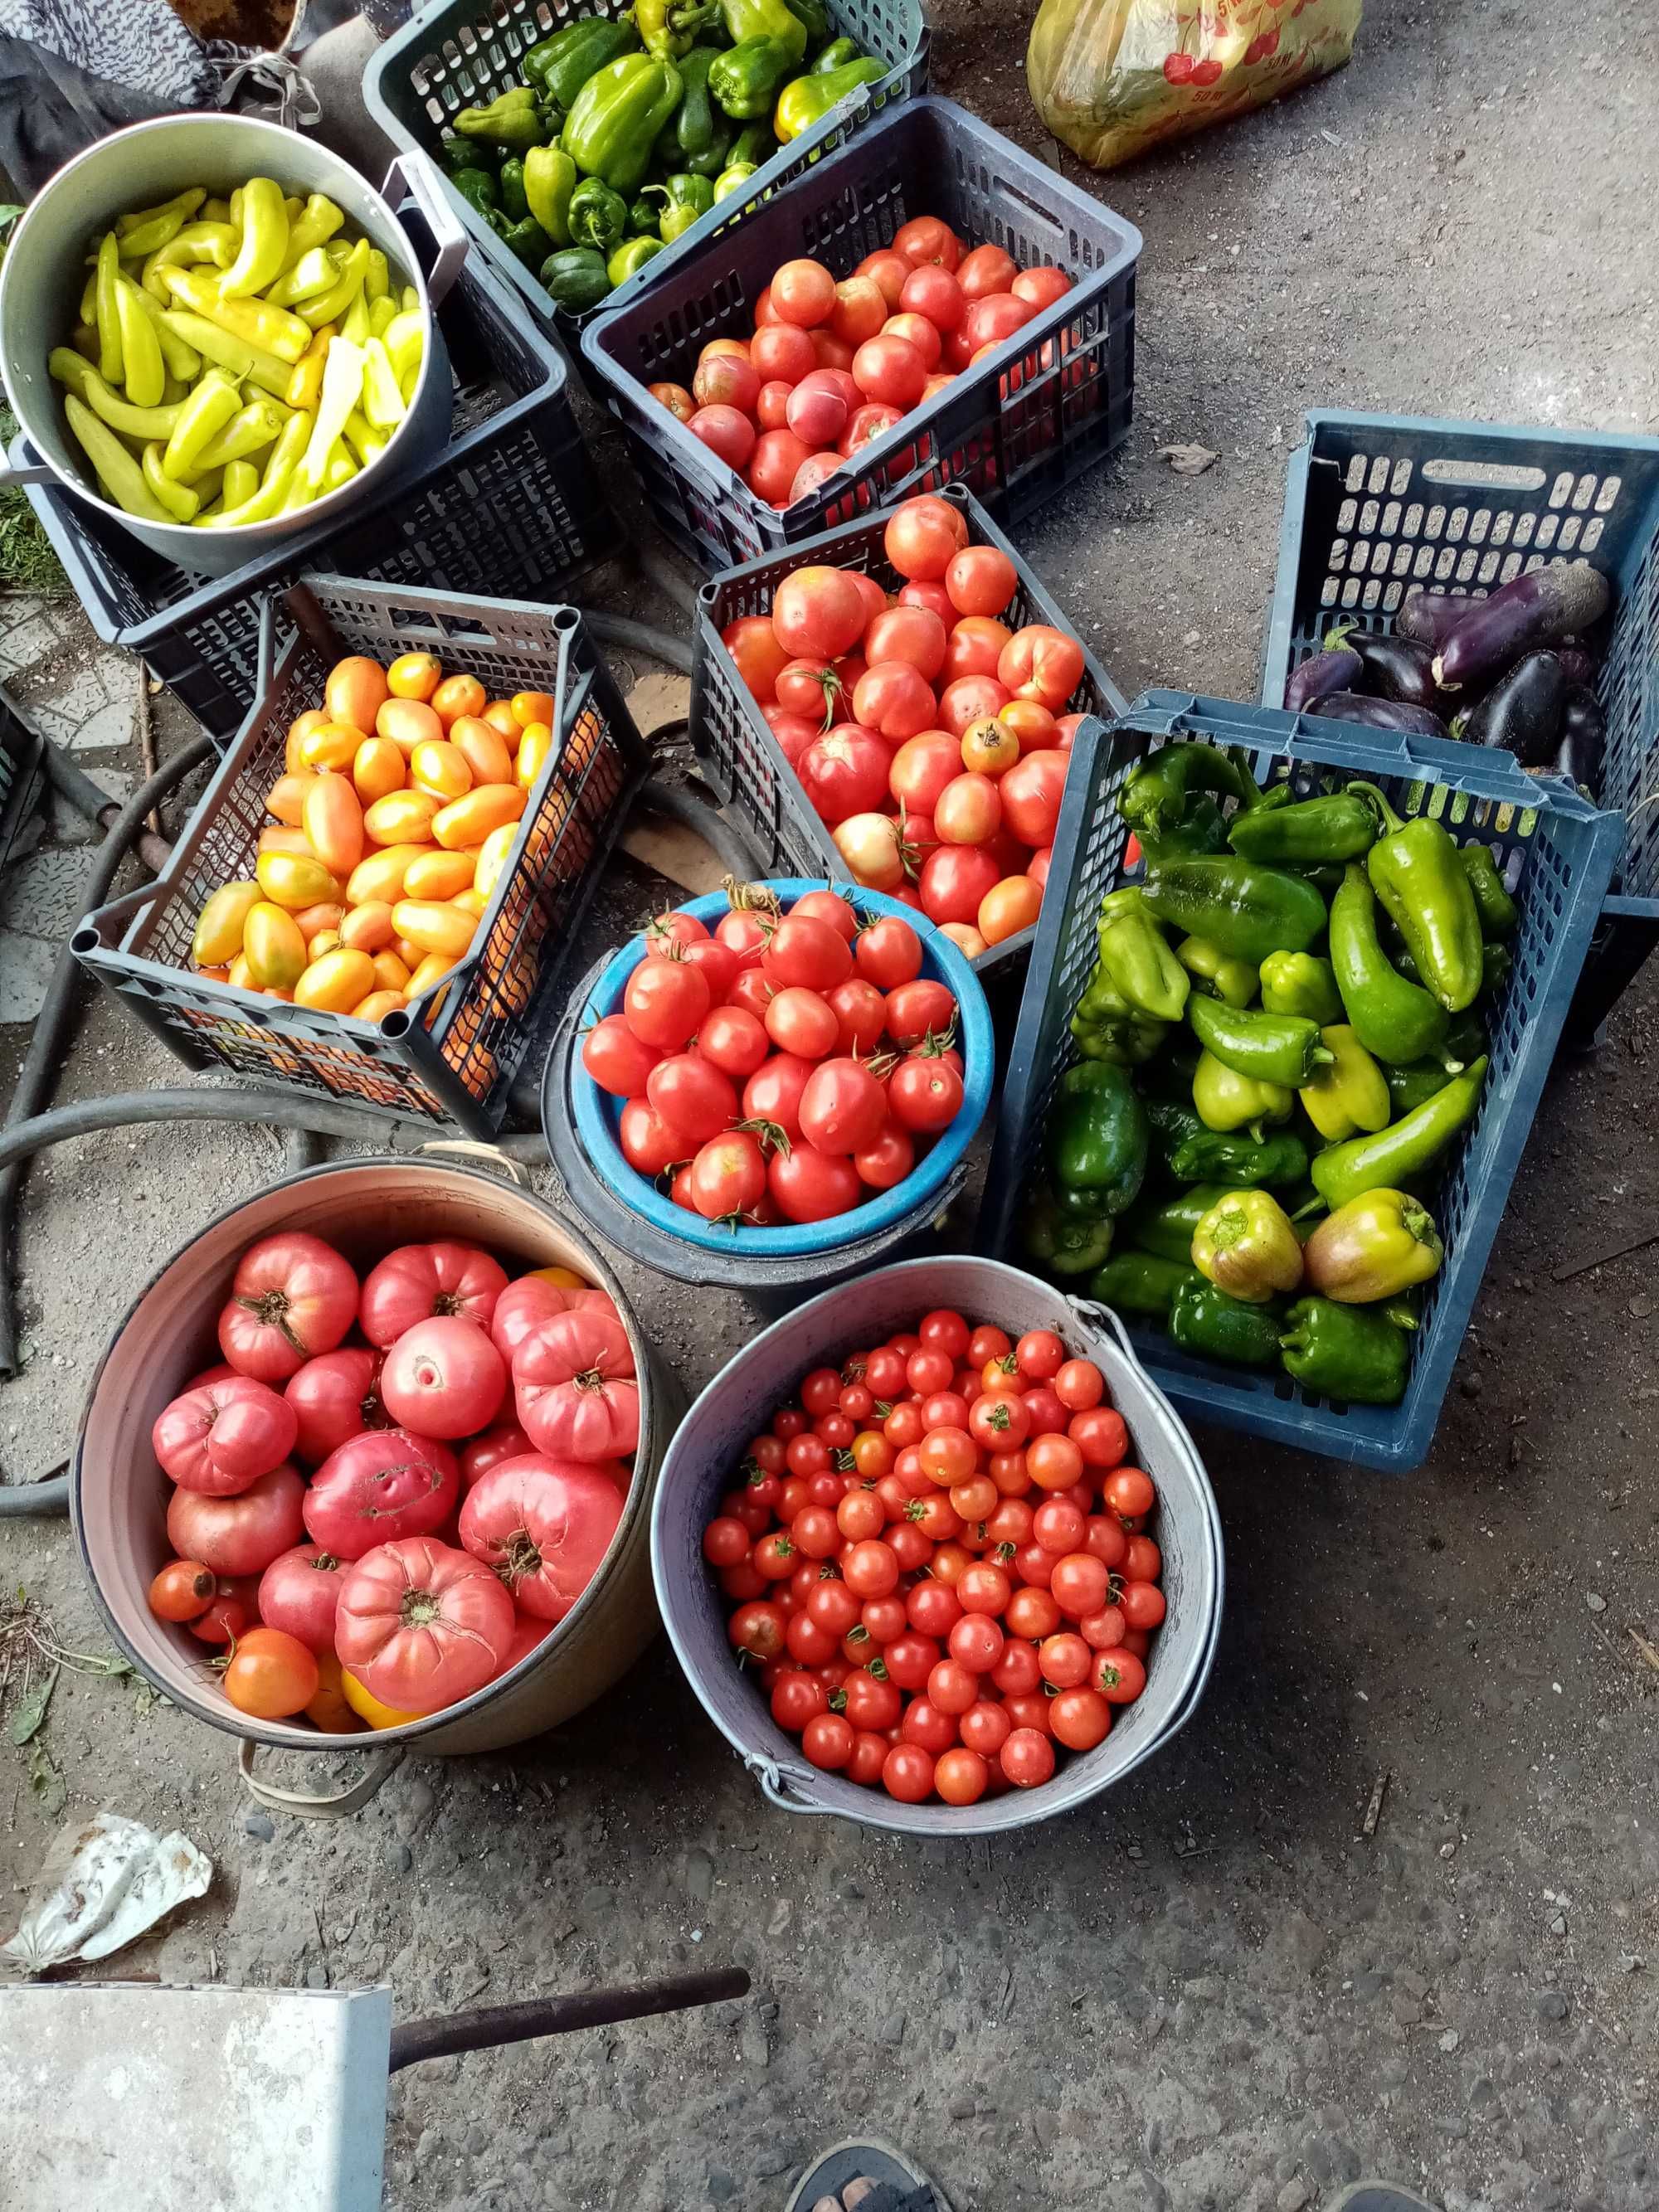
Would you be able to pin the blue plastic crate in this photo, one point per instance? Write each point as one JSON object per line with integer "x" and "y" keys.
{"x": 1377, "y": 505}
{"x": 1557, "y": 853}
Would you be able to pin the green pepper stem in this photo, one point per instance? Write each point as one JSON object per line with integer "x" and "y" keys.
{"x": 1322, "y": 1056}
{"x": 1306, "y": 1212}
{"x": 1379, "y": 799}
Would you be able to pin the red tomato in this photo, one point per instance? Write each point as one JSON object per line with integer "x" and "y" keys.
{"x": 1039, "y": 662}
{"x": 812, "y": 473}
{"x": 648, "y": 1143}
{"x": 777, "y": 460}
{"x": 1009, "y": 907}
{"x": 665, "y": 1001}
{"x": 270, "y": 1675}
{"x": 890, "y": 370}
{"x": 916, "y": 330}
{"x": 1041, "y": 287}
{"x": 803, "y": 292}
{"x": 772, "y": 406}
{"x": 968, "y": 699}
{"x": 729, "y": 435}
{"x": 811, "y": 688}
{"x": 1032, "y": 724}
{"x": 238, "y": 1535}
{"x": 745, "y": 929}
{"x": 757, "y": 1628}
{"x": 793, "y": 733}
{"x": 924, "y": 1096}
{"x": 183, "y": 1590}
{"x": 378, "y": 1487}
{"x": 727, "y": 1178}
{"x": 443, "y": 1378}
{"x": 935, "y": 599}
{"x": 955, "y": 880}
{"x": 812, "y": 1186}
{"x": 993, "y": 317}
{"x": 676, "y": 399}
{"x": 753, "y": 644}
{"x": 874, "y": 420}
{"x": 802, "y": 1023}
{"x": 908, "y": 633}
{"x": 887, "y": 952}
{"x": 419, "y": 1281}
{"x": 818, "y": 613}
{"x": 1143, "y": 1604}
{"x": 843, "y": 1107}
{"x": 885, "y": 1163}
{"x": 221, "y": 1437}
{"x": 574, "y": 1388}
{"x": 975, "y": 648}
{"x": 923, "y": 536}
{"x": 1027, "y": 1757}
{"x": 1119, "y": 1675}
{"x": 299, "y": 1592}
{"x": 859, "y": 310}
{"x": 817, "y": 411}
{"x": 887, "y": 270}
{"x": 931, "y": 290}
{"x": 726, "y": 380}
{"x": 844, "y": 773}
{"x": 907, "y": 1773}
{"x": 987, "y": 268}
{"x": 925, "y": 239}
{"x": 923, "y": 768}
{"x": 918, "y": 1010}
{"x": 507, "y": 1440}
{"x": 782, "y": 353}
{"x": 524, "y": 1305}
{"x": 1032, "y": 792}
{"x": 692, "y": 1097}
{"x": 615, "y": 1058}
{"x": 989, "y": 746}
{"x": 291, "y": 1297}
{"x": 1079, "y": 1718}
{"x": 969, "y": 810}
{"x": 422, "y": 1624}
{"x": 861, "y": 1012}
{"x": 773, "y": 1092}
{"x": 832, "y": 352}
{"x": 543, "y": 1525}
{"x": 1100, "y": 1436}
{"x": 981, "y": 580}
{"x": 895, "y": 699}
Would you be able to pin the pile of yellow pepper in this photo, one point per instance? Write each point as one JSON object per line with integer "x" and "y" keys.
{"x": 237, "y": 358}
{"x": 399, "y": 809}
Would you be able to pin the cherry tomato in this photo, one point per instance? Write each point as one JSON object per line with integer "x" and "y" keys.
{"x": 907, "y": 1773}
{"x": 961, "y": 1776}
{"x": 1010, "y": 1523}
{"x": 951, "y": 1562}
{"x": 1078, "y": 1384}
{"x": 873, "y": 1702}
{"x": 1027, "y": 1757}
{"x": 1032, "y": 1611}
{"x": 1103, "y": 1630}
{"x": 185, "y": 1589}
{"x": 1118, "y": 1675}
{"x": 1057, "y": 1526}
{"x": 725, "y": 1542}
{"x": 829, "y": 1741}
{"x": 997, "y": 1422}
{"x": 984, "y": 1588}
{"x": 1080, "y": 1585}
{"x": 1065, "y": 1659}
{"x": 976, "y": 1642}
{"x": 1054, "y": 1461}
{"x": 871, "y": 1569}
{"x": 976, "y": 1500}
{"x": 910, "y": 1659}
{"x": 1100, "y": 1435}
{"x": 1142, "y": 1604}
{"x": 1128, "y": 1492}
{"x": 1018, "y": 1673}
{"x": 1079, "y": 1718}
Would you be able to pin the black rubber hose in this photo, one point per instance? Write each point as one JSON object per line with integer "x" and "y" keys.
{"x": 47, "y": 1047}
{"x": 727, "y": 840}
{"x": 638, "y": 637}
{"x": 659, "y": 567}
{"x": 73, "y": 784}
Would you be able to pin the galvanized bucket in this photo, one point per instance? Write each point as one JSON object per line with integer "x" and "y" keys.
{"x": 117, "y": 1493}
{"x": 44, "y": 269}
{"x": 739, "y": 1403}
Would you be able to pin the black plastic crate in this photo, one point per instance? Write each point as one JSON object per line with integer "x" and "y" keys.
{"x": 458, "y": 53}
{"x": 509, "y": 508}
{"x": 1377, "y": 505}
{"x": 1045, "y": 407}
{"x": 1554, "y": 850}
{"x": 22, "y": 774}
{"x": 744, "y": 763}
{"x": 452, "y": 1054}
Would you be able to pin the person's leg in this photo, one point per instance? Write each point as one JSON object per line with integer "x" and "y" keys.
{"x": 1379, "y": 2197}
{"x": 867, "y": 2175}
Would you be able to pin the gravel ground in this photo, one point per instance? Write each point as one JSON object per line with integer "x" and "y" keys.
{"x": 1215, "y": 1988}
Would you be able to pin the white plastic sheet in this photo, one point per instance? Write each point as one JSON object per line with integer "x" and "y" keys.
{"x": 104, "y": 1881}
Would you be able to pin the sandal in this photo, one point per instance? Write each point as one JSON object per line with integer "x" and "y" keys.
{"x": 900, "y": 2186}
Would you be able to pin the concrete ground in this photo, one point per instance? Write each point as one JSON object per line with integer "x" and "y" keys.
{"x": 1213, "y": 1989}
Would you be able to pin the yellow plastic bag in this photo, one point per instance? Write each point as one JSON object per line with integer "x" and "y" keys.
{"x": 1112, "y": 78}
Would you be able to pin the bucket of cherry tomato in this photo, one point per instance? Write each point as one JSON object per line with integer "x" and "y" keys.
{"x": 384, "y": 1463}
{"x": 936, "y": 1554}
{"x": 771, "y": 1079}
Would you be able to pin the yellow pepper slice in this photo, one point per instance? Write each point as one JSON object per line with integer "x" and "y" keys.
{"x": 264, "y": 240}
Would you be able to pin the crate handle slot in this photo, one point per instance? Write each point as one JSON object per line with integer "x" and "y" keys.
{"x": 417, "y": 175}
{"x": 1484, "y": 476}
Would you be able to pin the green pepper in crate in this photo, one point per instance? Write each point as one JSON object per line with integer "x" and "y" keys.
{"x": 575, "y": 279}
{"x": 560, "y": 66}
{"x": 1168, "y": 1228}
{"x": 1275, "y": 1048}
{"x": 479, "y": 189}
{"x": 1394, "y": 1155}
{"x": 808, "y": 100}
{"x": 1233, "y": 981}
{"x": 1248, "y": 910}
{"x": 510, "y": 182}
{"x": 1207, "y": 1323}
{"x": 697, "y": 137}
{"x": 1345, "y": 1352}
{"x": 1339, "y": 825}
{"x": 630, "y": 258}
{"x": 1414, "y": 1086}
{"x": 1172, "y": 1122}
{"x": 1065, "y": 1243}
{"x": 747, "y": 81}
{"x": 1227, "y": 1100}
{"x": 813, "y": 17}
{"x": 598, "y": 216}
{"x": 1349, "y": 1094}
{"x": 1497, "y": 963}
{"x": 1242, "y": 1162}
{"x": 835, "y": 56}
{"x": 1155, "y": 797}
{"x": 670, "y": 28}
{"x": 644, "y": 212}
{"x": 1135, "y": 959}
{"x": 1416, "y": 871}
{"x": 754, "y": 143}
{"x": 613, "y": 123}
{"x": 685, "y": 199}
{"x": 1498, "y": 911}
{"x": 526, "y": 242}
{"x": 456, "y": 153}
{"x": 1141, "y": 1283}
{"x": 1395, "y": 1019}
{"x": 1301, "y": 983}
{"x": 1098, "y": 1138}
{"x": 514, "y": 121}
{"x": 1107, "y": 1028}
{"x": 1200, "y": 828}
{"x": 549, "y": 183}
{"x": 733, "y": 180}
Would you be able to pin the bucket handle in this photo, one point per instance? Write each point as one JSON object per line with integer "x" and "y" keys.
{"x": 777, "y": 1783}
{"x": 487, "y": 1155}
{"x": 305, "y": 1804}
{"x": 1104, "y": 1317}
{"x": 418, "y": 177}
{"x": 25, "y": 473}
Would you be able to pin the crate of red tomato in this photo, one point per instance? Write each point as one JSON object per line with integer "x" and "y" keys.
{"x": 894, "y": 702}
{"x": 928, "y": 305}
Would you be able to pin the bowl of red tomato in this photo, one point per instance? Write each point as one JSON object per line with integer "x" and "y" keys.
{"x": 782, "y": 1069}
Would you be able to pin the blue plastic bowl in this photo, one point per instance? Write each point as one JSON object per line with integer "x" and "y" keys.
{"x": 599, "y": 1114}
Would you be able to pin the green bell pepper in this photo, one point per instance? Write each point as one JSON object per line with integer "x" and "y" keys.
{"x": 1098, "y": 1138}
{"x": 671, "y": 27}
{"x": 1154, "y": 799}
{"x": 613, "y": 123}
{"x": 746, "y": 81}
{"x": 1395, "y": 1155}
{"x": 1136, "y": 959}
{"x": 733, "y": 180}
{"x": 575, "y": 279}
{"x": 835, "y": 56}
{"x": 1064, "y": 1243}
{"x": 1201, "y": 828}
{"x": 526, "y": 241}
{"x": 479, "y": 189}
{"x": 684, "y": 199}
{"x": 1173, "y": 1121}
{"x": 1274, "y": 1048}
{"x": 1395, "y": 1019}
{"x": 1233, "y": 981}
{"x": 1107, "y": 1028}
{"x": 1205, "y": 1321}
{"x": 1345, "y": 1353}
{"x": 1246, "y": 1246}
{"x": 766, "y": 19}
{"x": 515, "y": 205}
{"x": 1168, "y": 1228}
{"x": 1497, "y": 961}
{"x": 1339, "y": 825}
{"x": 754, "y": 143}
{"x": 1497, "y": 910}
{"x": 1227, "y": 1100}
{"x": 645, "y": 213}
{"x": 1301, "y": 983}
{"x": 813, "y": 17}
{"x": 1245, "y": 909}
{"x": 1242, "y": 1162}
{"x": 560, "y": 66}
{"x": 514, "y": 119}
{"x": 1415, "y": 870}
{"x": 597, "y": 216}
{"x": 456, "y": 153}
{"x": 630, "y": 258}
{"x": 807, "y": 99}
{"x": 1414, "y": 1086}
{"x": 550, "y": 182}
{"x": 690, "y": 133}
{"x": 1141, "y": 1283}
{"x": 1350, "y": 1093}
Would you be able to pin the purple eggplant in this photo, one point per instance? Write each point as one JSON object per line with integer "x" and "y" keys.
{"x": 1382, "y": 714}
{"x": 1401, "y": 668}
{"x": 1431, "y": 618}
{"x": 1522, "y": 713}
{"x": 1533, "y": 610}
{"x": 1577, "y": 662}
{"x": 1338, "y": 668}
{"x": 1584, "y": 739}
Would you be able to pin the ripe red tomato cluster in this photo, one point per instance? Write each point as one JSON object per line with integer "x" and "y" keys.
{"x": 830, "y": 366}
{"x": 929, "y": 736}
{"x": 937, "y": 1561}
{"x": 783, "y": 1067}
{"x": 467, "y": 1438}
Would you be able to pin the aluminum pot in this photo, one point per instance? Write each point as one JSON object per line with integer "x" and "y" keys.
{"x": 118, "y": 1499}
{"x": 738, "y": 1404}
{"x": 44, "y": 268}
